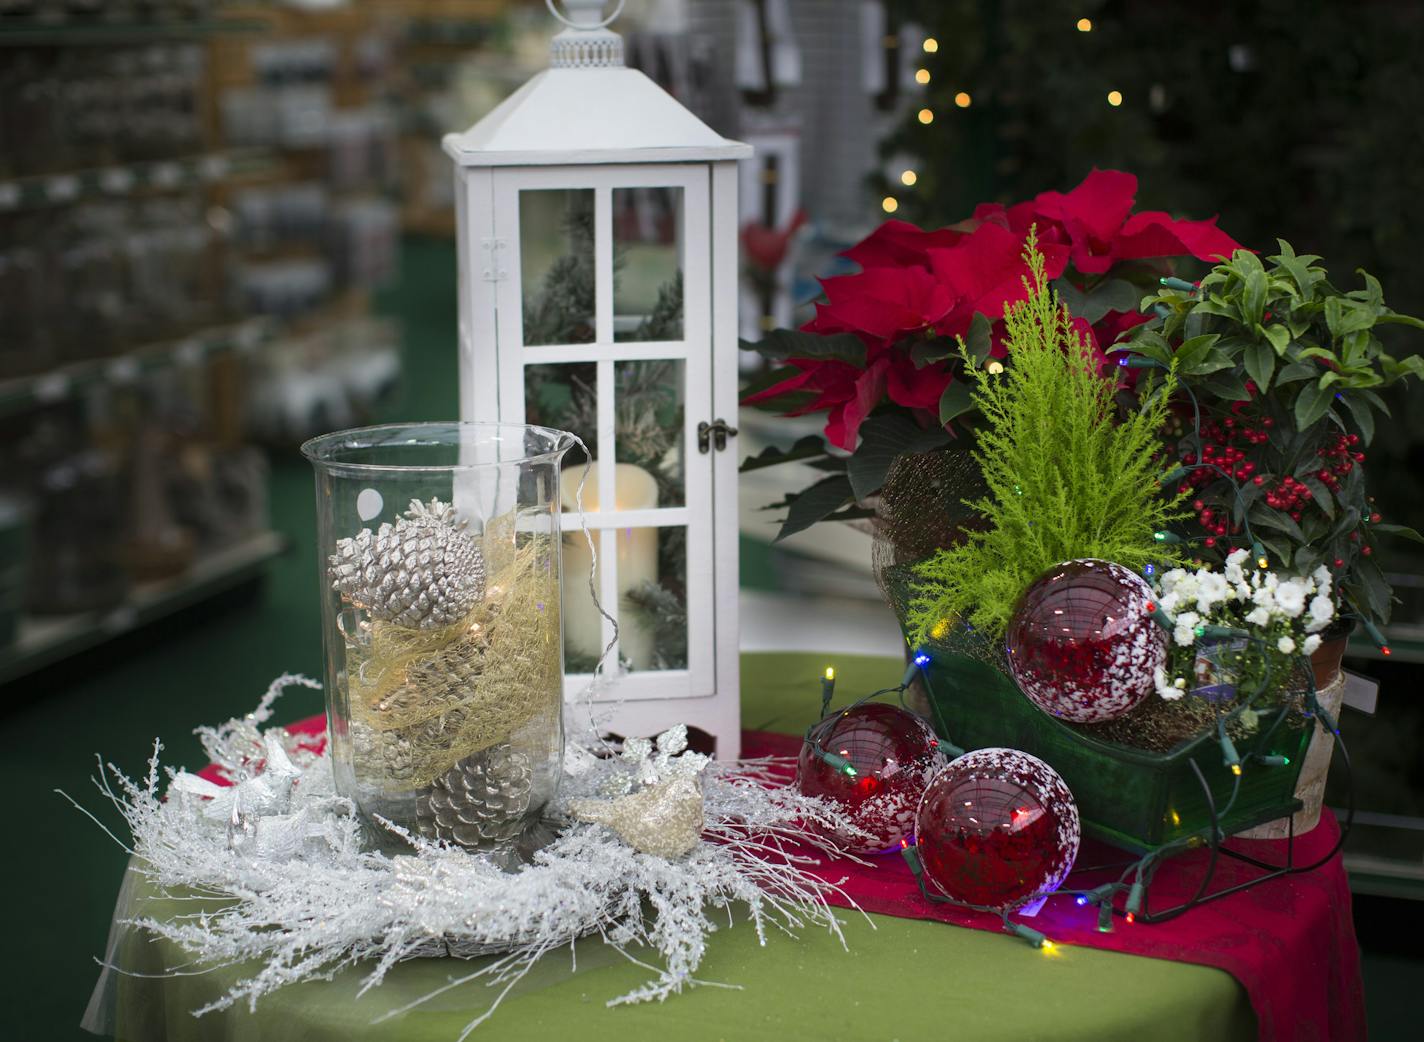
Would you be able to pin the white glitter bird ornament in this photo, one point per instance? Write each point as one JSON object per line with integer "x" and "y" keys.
{"x": 653, "y": 796}
{"x": 664, "y": 820}
{"x": 425, "y": 571}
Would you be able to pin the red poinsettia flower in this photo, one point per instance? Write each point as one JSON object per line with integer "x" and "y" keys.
{"x": 1108, "y": 329}
{"x": 843, "y": 423}
{"x": 882, "y": 303}
{"x": 980, "y": 273}
{"x": 1090, "y": 214}
{"x": 915, "y": 388}
{"x": 1153, "y": 233}
{"x": 988, "y": 269}
{"x": 898, "y": 243}
{"x": 891, "y": 374}
{"x": 1095, "y": 220}
{"x": 1020, "y": 218}
{"x": 915, "y": 282}
{"x": 846, "y": 393}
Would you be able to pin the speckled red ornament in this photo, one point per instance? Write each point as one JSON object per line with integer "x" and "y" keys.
{"x": 996, "y": 828}
{"x": 894, "y": 754}
{"x": 1082, "y": 645}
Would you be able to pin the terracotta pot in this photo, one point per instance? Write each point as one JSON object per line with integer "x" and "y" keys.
{"x": 1327, "y": 658}
{"x": 1330, "y": 691}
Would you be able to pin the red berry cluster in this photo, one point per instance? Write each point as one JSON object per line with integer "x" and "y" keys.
{"x": 1288, "y": 495}
{"x": 1211, "y": 522}
{"x": 1225, "y": 443}
{"x": 1222, "y": 455}
{"x": 1344, "y": 455}
{"x": 1220, "y": 443}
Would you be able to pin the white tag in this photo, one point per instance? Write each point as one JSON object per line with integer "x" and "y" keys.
{"x": 1361, "y": 693}
{"x": 214, "y": 168}
{"x": 9, "y": 195}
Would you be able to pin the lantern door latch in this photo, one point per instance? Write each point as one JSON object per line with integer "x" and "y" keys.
{"x": 718, "y": 430}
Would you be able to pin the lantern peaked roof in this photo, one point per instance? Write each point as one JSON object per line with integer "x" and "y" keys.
{"x": 589, "y": 108}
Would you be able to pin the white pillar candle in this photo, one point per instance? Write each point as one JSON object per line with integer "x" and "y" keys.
{"x": 637, "y": 549}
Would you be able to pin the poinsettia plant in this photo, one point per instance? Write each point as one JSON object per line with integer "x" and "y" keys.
{"x": 1286, "y": 371}
{"x": 879, "y": 357}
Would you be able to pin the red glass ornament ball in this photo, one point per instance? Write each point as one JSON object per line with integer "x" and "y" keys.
{"x": 894, "y": 754}
{"x": 996, "y": 828}
{"x": 1082, "y": 644}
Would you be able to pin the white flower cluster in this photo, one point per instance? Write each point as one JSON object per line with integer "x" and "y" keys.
{"x": 1241, "y": 598}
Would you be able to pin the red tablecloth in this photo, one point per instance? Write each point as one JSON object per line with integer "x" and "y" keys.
{"x": 1290, "y": 942}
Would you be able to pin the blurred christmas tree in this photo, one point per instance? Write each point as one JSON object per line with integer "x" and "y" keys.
{"x": 1291, "y": 118}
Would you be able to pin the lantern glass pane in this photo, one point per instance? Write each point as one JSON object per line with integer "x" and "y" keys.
{"x": 647, "y": 252}
{"x": 652, "y": 602}
{"x": 648, "y": 426}
{"x": 564, "y": 396}
{"x": 556, "y": 265}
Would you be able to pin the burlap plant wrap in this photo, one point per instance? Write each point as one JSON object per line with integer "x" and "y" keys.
{"x": 921, "y": 509}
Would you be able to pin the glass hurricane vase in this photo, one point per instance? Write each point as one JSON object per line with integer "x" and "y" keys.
{"x": 440, "y": 578}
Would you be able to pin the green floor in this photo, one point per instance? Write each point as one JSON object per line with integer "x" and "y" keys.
{"x": 62, "y": 873}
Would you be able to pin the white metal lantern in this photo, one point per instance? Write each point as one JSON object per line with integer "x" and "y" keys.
{"x": 598, "y": 227}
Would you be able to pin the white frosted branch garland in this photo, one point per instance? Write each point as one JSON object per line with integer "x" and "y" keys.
{"x": 289, "y": 850}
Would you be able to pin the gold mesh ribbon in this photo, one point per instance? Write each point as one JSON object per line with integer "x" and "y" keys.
{"x": 427, "y": 699}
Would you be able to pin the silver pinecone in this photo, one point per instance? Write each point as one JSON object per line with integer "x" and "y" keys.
{"x": 424, "y": 571}
{"x": 482, "y": 799}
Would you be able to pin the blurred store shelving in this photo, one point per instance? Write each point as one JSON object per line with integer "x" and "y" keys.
{"x": 199, "y": 201}
{"x": 128, "y": 484}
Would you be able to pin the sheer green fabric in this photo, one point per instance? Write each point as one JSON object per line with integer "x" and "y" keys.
{"x": 900, "y": 979}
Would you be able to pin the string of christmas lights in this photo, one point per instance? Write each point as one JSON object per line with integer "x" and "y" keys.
{"x": 962, "y": 99}
{"x": 1136, "y": 877}
{"x": 1135, "y": 880}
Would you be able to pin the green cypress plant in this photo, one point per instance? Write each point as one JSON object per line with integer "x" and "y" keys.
{"x": 1067, "y": 475}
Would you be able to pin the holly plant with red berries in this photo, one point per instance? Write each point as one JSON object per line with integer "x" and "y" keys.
{"x": 1284, "y": 372}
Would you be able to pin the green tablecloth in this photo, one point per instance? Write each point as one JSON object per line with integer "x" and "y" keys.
{"x": 900, "y": 979}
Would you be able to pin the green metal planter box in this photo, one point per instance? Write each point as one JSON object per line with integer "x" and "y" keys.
{"x": 1132, "y": 798}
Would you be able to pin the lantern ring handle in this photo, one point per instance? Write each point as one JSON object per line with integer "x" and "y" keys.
{"x": 587, "y": 28}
